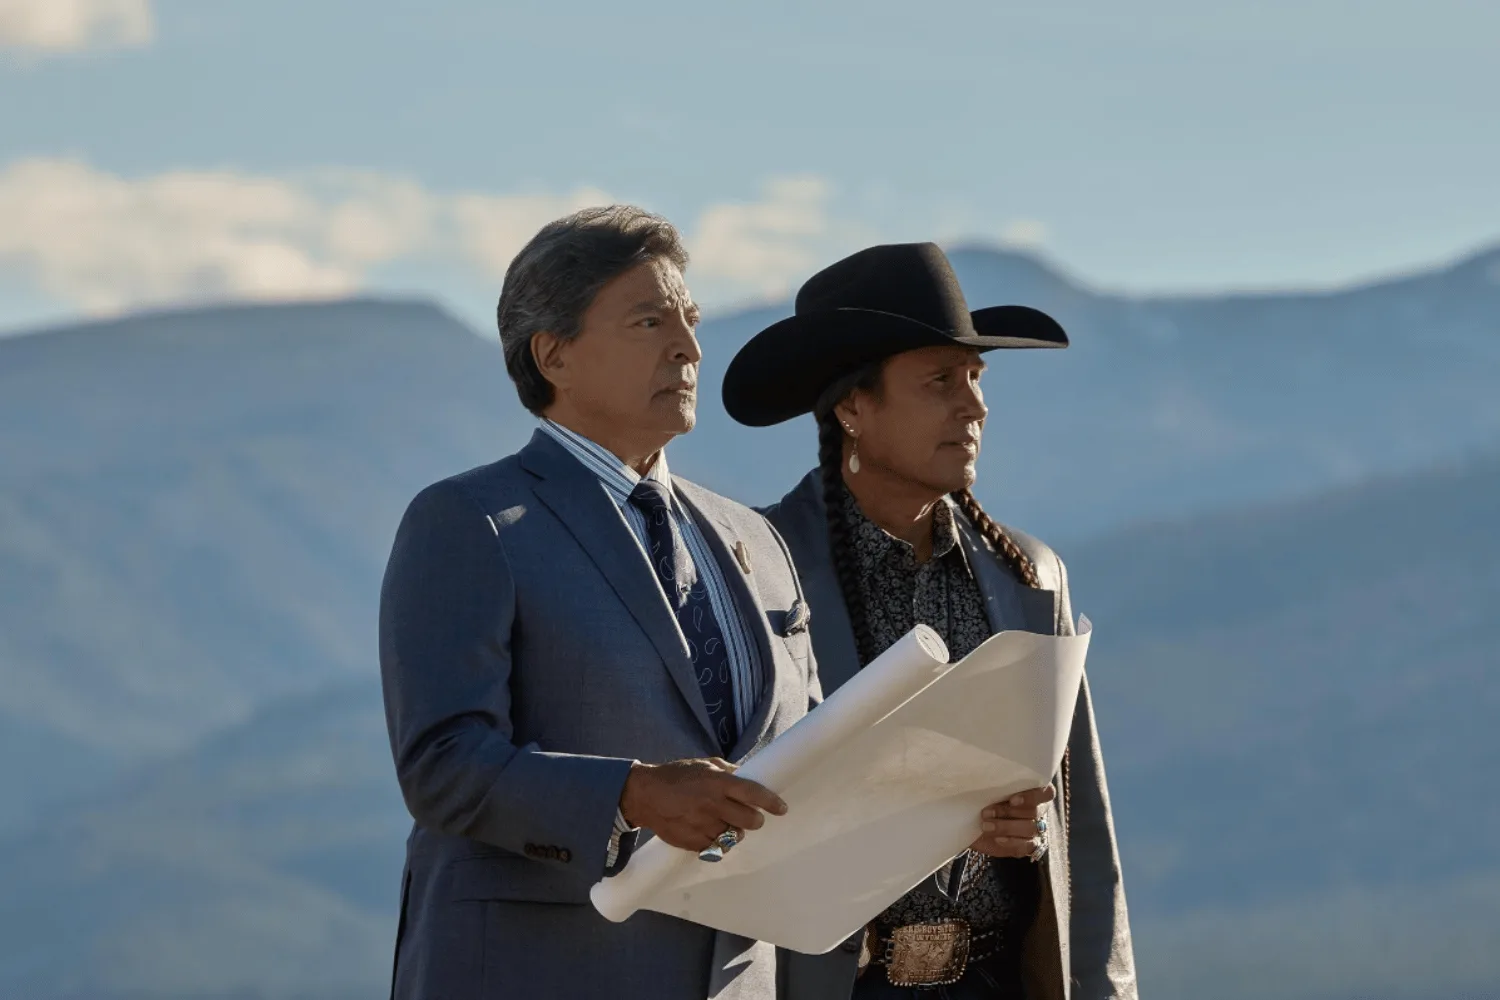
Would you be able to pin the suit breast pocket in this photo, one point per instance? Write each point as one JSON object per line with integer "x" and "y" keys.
{"x": 798, "y": 647}
{"x": 789, "y": 627}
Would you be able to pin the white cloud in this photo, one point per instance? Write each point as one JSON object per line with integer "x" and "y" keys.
{"x": 740, "y": 250}
{"x": 765, "y": 244}
{"x": 51, "y": 26}
{"x": 493, "y": 228}
{"x": 365, "y": 218}
{"x": 105, "y": 243}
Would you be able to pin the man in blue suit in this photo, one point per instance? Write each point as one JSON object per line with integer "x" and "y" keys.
{"x": 574, "y": 647}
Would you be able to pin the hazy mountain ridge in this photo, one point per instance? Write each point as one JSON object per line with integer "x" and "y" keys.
{"x": 1339, "y": 651}
{"x": 263, "y": 862}
{"x": 195, "y": 508}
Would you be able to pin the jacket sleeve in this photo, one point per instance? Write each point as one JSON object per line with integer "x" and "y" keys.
{"x": 1101, "y": 954}
{"x": 447, "y": 612}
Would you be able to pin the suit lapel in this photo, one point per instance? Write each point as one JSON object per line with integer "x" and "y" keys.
{"x": 1008, "y": 602}
{"x": 803, "y": 521}
{"x": 580, "y": 503}
{"x": 721, "y": 538}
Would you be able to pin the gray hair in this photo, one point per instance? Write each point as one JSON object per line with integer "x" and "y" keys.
{"x": 553, "y": 281}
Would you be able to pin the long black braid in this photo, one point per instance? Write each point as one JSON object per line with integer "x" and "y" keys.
{"x": 831, "y": 464}
{"x": 1005, "y": 546}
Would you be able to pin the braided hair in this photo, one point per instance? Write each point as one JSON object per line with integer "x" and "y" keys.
{"x": 1004, "y": 545}
{"x": 831, "y": 465}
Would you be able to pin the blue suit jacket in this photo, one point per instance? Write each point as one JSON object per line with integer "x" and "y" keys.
{"x": 527, "y": 657}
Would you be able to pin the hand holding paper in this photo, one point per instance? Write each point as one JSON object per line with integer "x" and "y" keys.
{"x": 884, "y": 783}
{"x": 688, "y": 803}
{"x": 1009, "y": 828}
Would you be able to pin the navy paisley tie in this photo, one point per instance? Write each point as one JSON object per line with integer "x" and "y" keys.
{"x": 688, "y": 596}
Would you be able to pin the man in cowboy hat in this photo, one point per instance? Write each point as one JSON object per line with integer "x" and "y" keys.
{"x": 886, "y": 534}
{"x": 574, "y": 644}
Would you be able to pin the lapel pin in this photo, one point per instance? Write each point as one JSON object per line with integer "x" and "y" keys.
{"x": 797, "y": 618}
{"x": 742, "y": 554}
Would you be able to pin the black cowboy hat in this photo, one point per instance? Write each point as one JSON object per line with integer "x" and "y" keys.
{"x": 867, "y": 307}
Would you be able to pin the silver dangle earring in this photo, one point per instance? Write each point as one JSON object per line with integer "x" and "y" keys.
{"x": 854, "y": 458}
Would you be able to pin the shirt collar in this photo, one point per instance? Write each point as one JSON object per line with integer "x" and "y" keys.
{"x": 874, "y": 543}
{"x": 944, "y": 528}
{"x": 617, "y": 478}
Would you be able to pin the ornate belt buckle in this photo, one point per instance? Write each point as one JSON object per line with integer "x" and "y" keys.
{"x": 928, "y": 954}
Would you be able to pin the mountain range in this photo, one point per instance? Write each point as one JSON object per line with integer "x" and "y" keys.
{"x": 1165, "y": 406}
{"x": 1277, "y": 509}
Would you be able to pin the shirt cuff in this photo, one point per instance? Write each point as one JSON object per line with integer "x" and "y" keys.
{"x": 621, "y": 828}
{"x": 612, "y": 853}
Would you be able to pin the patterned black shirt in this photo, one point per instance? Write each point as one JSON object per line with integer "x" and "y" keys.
{"x": 899, "y": 593}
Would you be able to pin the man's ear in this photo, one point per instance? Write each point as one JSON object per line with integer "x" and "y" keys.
{"x": 550, "y": 353}
{"x": 847, "y": 411}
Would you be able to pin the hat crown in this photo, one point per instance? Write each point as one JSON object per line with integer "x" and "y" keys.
{"x": 913, "y": 280}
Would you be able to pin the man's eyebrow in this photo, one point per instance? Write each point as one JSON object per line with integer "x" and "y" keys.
{"x": 663, "y": 305}
{"x": 649, "y": 305}
{"x": 941, "y": 369}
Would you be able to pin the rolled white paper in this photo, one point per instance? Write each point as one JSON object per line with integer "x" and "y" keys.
{"x": 884, "y": 783}
{"x": 891, "y": 680}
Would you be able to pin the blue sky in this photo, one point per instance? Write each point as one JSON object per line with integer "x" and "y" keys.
{"x": 156, "y": 151}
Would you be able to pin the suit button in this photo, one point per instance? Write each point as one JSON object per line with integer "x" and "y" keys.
{"x": 530, "y": 850}
{"x": 565, "y": 855}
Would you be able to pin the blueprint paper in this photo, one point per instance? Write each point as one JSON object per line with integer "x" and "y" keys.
{"x": 884, "y": 783}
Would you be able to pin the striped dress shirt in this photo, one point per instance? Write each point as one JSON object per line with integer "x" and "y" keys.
{"x": 618, "y": 480}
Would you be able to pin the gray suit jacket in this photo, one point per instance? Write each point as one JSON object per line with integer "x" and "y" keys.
{"x": 1079, "y": 948}
{"x": 527, "y": 656}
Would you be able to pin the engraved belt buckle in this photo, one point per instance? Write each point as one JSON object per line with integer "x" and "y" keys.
{"x": 928, "y": 954}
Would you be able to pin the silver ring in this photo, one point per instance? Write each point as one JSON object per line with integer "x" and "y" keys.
{"x": 721, "y": 846}
{"x": 1041, "y": 850}
{"x": 1041, "y": 825}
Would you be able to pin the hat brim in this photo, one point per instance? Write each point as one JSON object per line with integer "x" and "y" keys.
{"x": 780, "y": 373}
